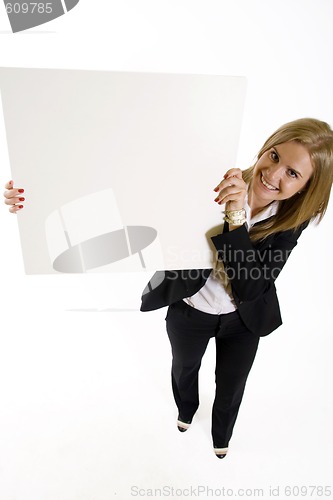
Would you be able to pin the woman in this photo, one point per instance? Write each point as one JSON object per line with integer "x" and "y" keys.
{"x": 267, "y": 207}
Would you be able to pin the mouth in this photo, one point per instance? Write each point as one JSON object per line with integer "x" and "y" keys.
{"x": 267, "y": 185}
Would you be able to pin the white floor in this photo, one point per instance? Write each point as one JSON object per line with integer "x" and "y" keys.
{"x": 87, "y": 411}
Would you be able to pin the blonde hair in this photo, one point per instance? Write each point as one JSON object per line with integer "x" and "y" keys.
{"x": 311, "y": 204}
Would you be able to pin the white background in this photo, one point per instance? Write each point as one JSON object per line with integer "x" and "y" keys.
{"x": 86, "y": 405}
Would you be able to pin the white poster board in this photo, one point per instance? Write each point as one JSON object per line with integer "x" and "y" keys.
{"x": 119, "y": 168}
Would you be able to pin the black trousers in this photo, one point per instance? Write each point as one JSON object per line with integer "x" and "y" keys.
{"x": 189, "y": 331}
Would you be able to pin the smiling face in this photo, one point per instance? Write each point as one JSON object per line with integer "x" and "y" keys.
{"x": 280, "y": 173}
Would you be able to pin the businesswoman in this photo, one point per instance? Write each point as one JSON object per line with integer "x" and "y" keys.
{"x": 267, "y": 207}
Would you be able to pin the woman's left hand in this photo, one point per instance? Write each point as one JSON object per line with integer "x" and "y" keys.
{"x": 13, "y": 197}
{"x": 232, "y": 190}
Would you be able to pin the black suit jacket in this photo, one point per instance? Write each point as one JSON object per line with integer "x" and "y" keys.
{"x": 251, "y": 268}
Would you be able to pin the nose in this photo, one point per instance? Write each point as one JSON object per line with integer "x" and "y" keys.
{"x": 274, "y": 173}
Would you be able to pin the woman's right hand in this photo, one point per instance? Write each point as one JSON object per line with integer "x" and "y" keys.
{"x": 232, "y": 190}
{"x": 13, "y": 197}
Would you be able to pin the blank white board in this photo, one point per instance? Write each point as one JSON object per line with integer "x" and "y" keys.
{"x": 119, "y": 168}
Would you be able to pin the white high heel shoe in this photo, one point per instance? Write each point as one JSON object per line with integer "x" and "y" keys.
{"x": 183, "y": 426}
{"x": 220, "y": 452}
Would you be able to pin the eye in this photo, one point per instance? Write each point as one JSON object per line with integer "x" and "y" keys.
{"x": 274, "y": 156}
{"x": 292, "y": 173}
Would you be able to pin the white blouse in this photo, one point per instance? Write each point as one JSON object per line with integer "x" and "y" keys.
{"x": 214, "y": 297}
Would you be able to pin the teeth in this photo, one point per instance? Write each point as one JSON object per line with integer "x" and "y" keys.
{"x": 269, "y": 186}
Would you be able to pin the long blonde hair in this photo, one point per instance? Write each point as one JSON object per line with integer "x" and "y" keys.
{"x": 312, "y": 202}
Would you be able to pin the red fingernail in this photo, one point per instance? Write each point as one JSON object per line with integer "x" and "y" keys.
{"x": 216, "y": 199}
{"x": 21, "y": 199}
{"x": 220, "y": 202}
{"x": 20, "y": 206}
{"x": 21, "y": 190}
{"x": 216, "y": 189}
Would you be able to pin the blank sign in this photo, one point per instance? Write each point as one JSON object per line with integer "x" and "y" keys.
{"x": 119, "y": 168}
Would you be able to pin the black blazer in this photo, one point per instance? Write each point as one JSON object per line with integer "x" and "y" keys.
{"x": 251, "y": 268}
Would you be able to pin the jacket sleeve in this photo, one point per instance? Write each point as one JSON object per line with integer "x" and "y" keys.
{"x": 253, "y": 268}
{"x": 166, "y": 287}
